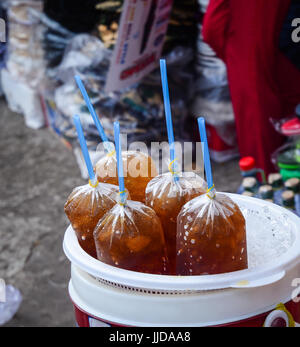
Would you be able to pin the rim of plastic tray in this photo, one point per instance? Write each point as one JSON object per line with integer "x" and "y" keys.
{"x": 259, "y": 276}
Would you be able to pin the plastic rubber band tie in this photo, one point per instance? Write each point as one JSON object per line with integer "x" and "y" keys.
{"x": 209, "y": 190}
{"x": 110, "y": 154}
{"x": 122, "y": 203}
{"x": 171, "y": 169}
{"x": 93, "y": 185}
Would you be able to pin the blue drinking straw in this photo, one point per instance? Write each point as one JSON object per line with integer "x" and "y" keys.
{"x": 165, "y": 88}
{"x": 122, "y": 191}
{"x": 85, "y": 152}
{"x": 207, "y": 165}
{"x": 93, "y": 113}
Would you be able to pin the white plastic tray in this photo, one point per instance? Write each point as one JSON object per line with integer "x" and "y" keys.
{"x": 262, "y": 214}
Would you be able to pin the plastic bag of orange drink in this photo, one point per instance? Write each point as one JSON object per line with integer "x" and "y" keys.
{"x": 88, "y": 203}
{"x": 139, "y": 169}
{"x": 211, "y": 230}
{"x": 85, "y": 206}
{"x": 211, "y": 236}
{"x": 130, "y": 235}
{"x": 167, "y": 196}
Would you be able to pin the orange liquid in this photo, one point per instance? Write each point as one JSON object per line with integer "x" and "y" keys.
{"x": 167, "y": 198}
{"x": 131, "y": 238}
{"x": 139, "y": 169}
{"x": 85, "y": 206}
{"x": 211, "y": 237}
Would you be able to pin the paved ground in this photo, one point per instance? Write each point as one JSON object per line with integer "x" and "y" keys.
{"x": 37, "y": 173}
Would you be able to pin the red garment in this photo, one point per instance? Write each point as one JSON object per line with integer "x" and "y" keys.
{"x": 263, "y": 83}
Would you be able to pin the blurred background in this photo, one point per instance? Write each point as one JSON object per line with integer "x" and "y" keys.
{"x": 47, "y": 43}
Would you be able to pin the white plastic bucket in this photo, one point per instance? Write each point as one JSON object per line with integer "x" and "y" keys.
{"x": 103, "y": 294}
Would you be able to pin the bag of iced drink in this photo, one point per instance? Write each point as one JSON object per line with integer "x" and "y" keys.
{"x": 211, "y": 232}
{"x": 167, "y": 193}
{"x": 139, "y": 167}
{"x": 85, "y": 206}
{"x": 88, "y": 203}
{"x": 130, "y": 235}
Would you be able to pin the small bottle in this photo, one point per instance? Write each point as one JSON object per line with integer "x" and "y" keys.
{"x": 276, "y": 181}
{"x": 250, "y": 184}
{"x": 248, "y": 168}
{"x": 247, "y": 193}
{"x": 297, "y": 152}
{"x": 293, "y": 184}
{"x": 266, "y": 192}
{"x": 288, "y": 199}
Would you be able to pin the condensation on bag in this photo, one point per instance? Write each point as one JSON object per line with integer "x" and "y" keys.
{"x": 211, "y": 236}
{"x": 167, "y": 196}
{"x": 130, "y": 236}
{"x": 85, "y": 206}
{"x": 139, "y": 169}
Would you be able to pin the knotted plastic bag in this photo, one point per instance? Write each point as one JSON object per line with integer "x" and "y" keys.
{"x": 130, "y": 236}
{"x": 166, "y": 196}
{"x": 211, "y": 236}
{"x": 85, "y": 206}
{"x": 139, "y": 169}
